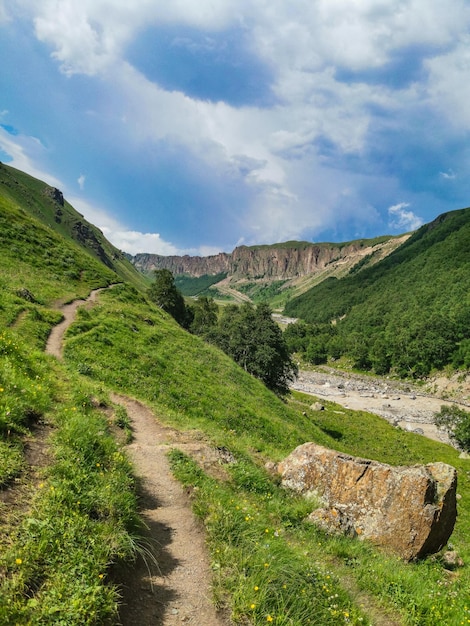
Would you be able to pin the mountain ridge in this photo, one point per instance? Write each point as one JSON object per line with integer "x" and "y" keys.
{"x": 281, "y": 261}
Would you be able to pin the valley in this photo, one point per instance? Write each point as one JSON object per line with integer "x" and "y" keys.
{"x": 157, "y": 448}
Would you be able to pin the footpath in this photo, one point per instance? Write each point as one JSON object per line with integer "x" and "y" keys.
{"x": 170, "y": 582}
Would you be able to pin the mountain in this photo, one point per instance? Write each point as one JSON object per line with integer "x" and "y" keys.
{"x": 48, "y": 205}
{"x": 286, "y": 260}
{"x": 410, "y": 311}
{"x": 70, "y": 531}
{"x": 432, "y": 267}
{"x": 253, "y": 270}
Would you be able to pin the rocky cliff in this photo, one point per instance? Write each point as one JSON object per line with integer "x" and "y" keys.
{"x": 190, "y": 265}
{"x": 281, "y": 261}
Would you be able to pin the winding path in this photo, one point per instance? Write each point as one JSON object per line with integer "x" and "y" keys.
{"x": 169, "y": 583}
{"x": 56, "y": 337}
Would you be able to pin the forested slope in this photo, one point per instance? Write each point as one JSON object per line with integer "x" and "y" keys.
{"x": 411, "y": 311}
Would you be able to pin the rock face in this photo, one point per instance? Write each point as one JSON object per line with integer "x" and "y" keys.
{"x": 191, "y": 265}
{"x": 55, "y": 194}
{"x": 280, "y": 261}
{"x": 410, "y": 510}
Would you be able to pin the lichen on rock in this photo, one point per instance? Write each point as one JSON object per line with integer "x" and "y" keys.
{"x": 410, "y": 510}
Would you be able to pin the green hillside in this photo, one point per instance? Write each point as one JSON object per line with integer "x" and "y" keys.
{"x": 47, "y": 204}
{"x": 410, "y": 311}
{"x": 67, "y": 519}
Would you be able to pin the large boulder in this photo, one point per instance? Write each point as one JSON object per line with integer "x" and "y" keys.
{"x": 410, "y": 510}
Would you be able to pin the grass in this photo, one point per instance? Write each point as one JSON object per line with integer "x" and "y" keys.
{"x": 81, "y": 514}
{"x": 193, "y": 386}
{"x": 259, "y": 572}
{"x": 65, "y": 225}
{"x": 39, "y": 268}
{"x": 63, "y": 526}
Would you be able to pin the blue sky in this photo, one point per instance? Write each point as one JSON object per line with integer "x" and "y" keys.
{"x": 190, "y": 127}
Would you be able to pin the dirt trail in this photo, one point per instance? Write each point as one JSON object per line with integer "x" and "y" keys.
{"x": 177, "y": 590}
{"x": 55, "y": 339}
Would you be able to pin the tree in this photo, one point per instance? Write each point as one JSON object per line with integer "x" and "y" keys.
{"x": 205, "y": 312}
{"x": 316, "y": 352}
{"x": 253, "y": 339}
{"x": 457, "y": 422}
{"x": 165, "y": 294}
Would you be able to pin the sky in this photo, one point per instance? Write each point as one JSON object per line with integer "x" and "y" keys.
{"x": 191, "y": 127}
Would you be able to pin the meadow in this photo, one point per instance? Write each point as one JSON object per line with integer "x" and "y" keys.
{"x": 69, "y": 507}
{"x": 256, "y": 531}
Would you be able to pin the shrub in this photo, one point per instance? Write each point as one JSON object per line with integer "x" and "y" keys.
{"x": 457, "y": 423}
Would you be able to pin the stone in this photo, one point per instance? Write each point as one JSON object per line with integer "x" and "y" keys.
{"x": 409, "y": 510}
{"x": 452, "y": 560}
{"x": 25, "y": 294}
{"x": 55, "y": 194}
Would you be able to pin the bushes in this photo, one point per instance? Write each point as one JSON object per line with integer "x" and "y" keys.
{"x": 457, "y": 422}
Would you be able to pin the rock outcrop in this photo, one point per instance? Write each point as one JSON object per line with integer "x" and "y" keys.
{"x": 54, "y": 194}
{"x": 84, "y": 233}
{"x": 275, "y": 262}
{"x": 410, "y": 510}
{"x": 190, "y": 265}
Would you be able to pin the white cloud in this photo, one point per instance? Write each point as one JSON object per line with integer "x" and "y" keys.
{"x": 273, "y": 151}
{"x": 304, "y": 44}
{"x": 4, "y": 16}
{"x": 449, "y": 83}
{"x": 449, "y": 175}
{"x": 122, "y": 237}
{"x": 401, "y": 219}
{"x": 81, "y": 181}
{"x": 25, "y": 152}
{"x": 134, "y": 242}
{"x": 88, "y": 36}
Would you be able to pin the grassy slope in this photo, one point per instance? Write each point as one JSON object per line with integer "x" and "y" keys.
{"x": 127, "y": 345}
{"x": 20, "y": 189}
{"x": 265, "y": 558}
{"x": 417, "y": 271}
{"x": 64, "y": 524}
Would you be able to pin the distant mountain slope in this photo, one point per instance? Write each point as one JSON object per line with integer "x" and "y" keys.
{"x": 286, "y": 260}
{"x": 432, "y": 267}
{"x": 48, "y": 205}
{"x": 410, "y": 311}
{"x": 271, "y": 273}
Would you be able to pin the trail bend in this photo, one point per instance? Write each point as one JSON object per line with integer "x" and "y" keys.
{"x": 177, "y": 590}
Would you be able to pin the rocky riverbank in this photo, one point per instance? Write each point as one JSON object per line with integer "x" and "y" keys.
{"x": 404, "y": 405}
